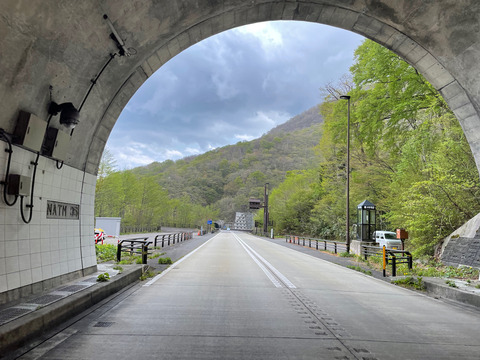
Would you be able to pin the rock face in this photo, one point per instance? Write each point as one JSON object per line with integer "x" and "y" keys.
{"x": 462, "y": 247}
{"x": 463, "y": 251}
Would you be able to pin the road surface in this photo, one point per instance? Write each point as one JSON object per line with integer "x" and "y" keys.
{"x": 240, "y": 297}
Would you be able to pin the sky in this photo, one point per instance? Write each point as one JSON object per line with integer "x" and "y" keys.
{"x": 231, "y": 87}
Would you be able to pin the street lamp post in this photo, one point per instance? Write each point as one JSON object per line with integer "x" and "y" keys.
{"x": 347, "y": 97}
{"x": 265, "y": 210}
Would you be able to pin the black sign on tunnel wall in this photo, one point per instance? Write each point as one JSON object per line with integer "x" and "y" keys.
{"x": 60, "y": 210}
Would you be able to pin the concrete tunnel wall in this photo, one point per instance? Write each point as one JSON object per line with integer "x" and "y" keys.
{"x": 65, "y": 44}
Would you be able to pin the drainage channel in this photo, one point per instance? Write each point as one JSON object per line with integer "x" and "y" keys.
{"x": 17, "y": 311}
{"x": 318, "y": 321}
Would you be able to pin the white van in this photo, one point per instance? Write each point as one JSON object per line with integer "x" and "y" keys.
{"x": 387, "y": 238}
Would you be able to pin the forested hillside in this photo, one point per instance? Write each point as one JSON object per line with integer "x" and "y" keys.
{"x": 218, "y": 182}
{"x": 409, "y": 157}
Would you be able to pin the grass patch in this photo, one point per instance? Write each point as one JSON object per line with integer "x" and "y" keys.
{"x": 359, "y": 269}
{"x": 147, "y": 274}
{"x": 154, "y": 256}
{"x": 129, "y": 259}
{"x": 451, "y": 283}
{"x": 118, "y": 267}
{"x": 105, "y": 252}
{"x": 410, "y": 282}
{"x": 346, "y": 254}
{"x": 165, "y": 261}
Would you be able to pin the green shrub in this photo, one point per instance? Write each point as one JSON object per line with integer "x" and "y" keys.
{"x": 451, "y": 283}
{"x": 410, "y": 282}
{"x": 103, "y": 277}
{"x": 105, "y": 252}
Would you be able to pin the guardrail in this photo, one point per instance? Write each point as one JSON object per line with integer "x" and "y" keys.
{"x": 389, "y": 256}
{"x": 320, "y": 244}
{"x": 135, "y": 245}
{"x": 175, "y": 237}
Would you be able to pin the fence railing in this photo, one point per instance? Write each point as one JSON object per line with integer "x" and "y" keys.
{"x": 318, "y": 244}
{"x": 171, "y": 238}
{"x": 134, "y": 246}
{"x": 139, "y": 229}
{"x": 389, "y": 256}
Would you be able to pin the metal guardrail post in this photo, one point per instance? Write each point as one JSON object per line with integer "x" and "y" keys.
{"x": 144, "y": 253}
{"x": 119, "y": 252}
{"x": 335, "y": 247}
{"x": 325, "y": 245}
{"x": 309, "y": 243}
{"x": 163, "y": 241}
{"x": 394, "y": 265}
{"x": 409, "y": 260}
{"x": 168, "y": 240}
{"x": 365, "y": 252}
{"x": 316, "y": 244}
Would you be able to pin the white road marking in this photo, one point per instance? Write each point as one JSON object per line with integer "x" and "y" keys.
{"x": 166, "y": 271}
{"x": 282, "y": 277}
{"x": 268, "y": 273}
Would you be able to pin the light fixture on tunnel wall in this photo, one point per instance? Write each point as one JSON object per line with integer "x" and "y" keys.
{"x": 69, "y": 115}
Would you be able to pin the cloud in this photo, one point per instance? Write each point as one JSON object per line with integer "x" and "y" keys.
{"x": 244, "y": 137}
{"x": 242, "y": 82}
{"x": 173, "y": 154}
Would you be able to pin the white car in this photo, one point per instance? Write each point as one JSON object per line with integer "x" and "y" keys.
{"x": 387, "y": 238}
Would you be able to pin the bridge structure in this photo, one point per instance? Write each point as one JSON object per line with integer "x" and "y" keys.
{"x": 89, "y": 57}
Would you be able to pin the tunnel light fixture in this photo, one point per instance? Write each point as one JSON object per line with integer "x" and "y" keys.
{"x": 69, "y": 115}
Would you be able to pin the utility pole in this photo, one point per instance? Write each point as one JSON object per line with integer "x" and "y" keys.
{"x": 347, "y": 240}
{"x": 265, "y": 209}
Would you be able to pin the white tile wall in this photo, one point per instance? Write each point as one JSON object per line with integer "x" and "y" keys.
{"x": 45, "y": 248}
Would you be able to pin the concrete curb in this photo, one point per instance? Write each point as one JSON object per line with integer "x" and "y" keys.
{"x": 17, "y": 332}
{"x": 435, "y": 288}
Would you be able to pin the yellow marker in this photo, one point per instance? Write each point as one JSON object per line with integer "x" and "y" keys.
{"x": 384, "y": 261}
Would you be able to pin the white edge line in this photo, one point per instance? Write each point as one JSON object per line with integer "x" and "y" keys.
{"x": 166, "y": 271}
{"x": 268, "y": 273}
{"x": 271, "y": 267}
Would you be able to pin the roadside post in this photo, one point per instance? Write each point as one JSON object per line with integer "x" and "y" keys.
{"x": 384, "y": 261}
{"x": 402, "y": 234}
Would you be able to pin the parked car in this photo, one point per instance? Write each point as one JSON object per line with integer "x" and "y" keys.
{"x": 387, "y": 238}
{"x": 99, "y": 236}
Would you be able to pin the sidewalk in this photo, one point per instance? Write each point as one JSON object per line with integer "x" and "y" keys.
{"x": 22, "y": 322}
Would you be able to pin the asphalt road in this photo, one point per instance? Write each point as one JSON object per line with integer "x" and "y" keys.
{"x": 240, "y": 297}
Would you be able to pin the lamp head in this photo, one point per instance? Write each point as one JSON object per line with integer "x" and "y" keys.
{"x": 69, "y": 115}
{"x": 345, "y": 97}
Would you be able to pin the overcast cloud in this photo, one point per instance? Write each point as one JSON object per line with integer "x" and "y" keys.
{"x": 232, "y": 87}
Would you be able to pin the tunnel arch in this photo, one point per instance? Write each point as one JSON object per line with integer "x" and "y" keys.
{"x": 428, "y": 36}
